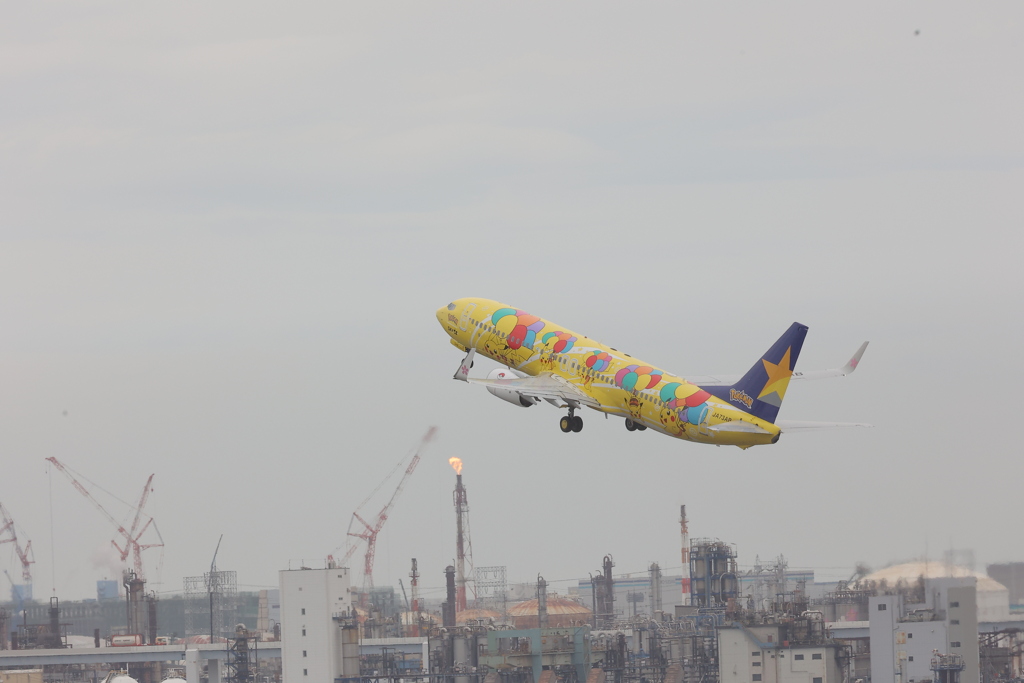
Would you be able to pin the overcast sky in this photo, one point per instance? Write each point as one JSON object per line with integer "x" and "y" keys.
{"x": 226, "y": 228}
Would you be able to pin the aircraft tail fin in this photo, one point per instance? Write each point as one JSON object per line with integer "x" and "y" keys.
{"x": 761, "y": 390}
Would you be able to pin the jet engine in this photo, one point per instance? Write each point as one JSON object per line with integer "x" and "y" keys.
{"x": 510, "y": 395}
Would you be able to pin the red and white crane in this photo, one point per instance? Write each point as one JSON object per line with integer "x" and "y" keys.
{"x": 372, "y": 528}
{"x": 9, "y": 535}
{"x": 130, "y": 537}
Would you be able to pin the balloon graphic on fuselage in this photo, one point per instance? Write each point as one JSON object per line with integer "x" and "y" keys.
{"x": 688, "y": 399}
{"x": 637, "y": 377}
{"x": 519, "y": 327}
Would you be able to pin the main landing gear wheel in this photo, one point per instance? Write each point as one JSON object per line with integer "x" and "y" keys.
{"x": 571, "y": 422}
{"x": 635, "y": 426}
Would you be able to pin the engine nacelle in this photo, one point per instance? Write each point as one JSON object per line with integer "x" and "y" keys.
{"x": 510, "y": 395}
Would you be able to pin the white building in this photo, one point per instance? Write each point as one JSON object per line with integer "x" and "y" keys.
{"x": 312, "y": 636}
{"x": 758, "y": 654}
{"x": 904, "y": 637}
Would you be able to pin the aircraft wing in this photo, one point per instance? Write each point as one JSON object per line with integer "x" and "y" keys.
{"x": 547, "y": 387}
{"x": 797, "y": 426}
{"x": 728, "y": 380}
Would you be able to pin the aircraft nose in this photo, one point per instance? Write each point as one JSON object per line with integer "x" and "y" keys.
{"x": 442, "y": 315}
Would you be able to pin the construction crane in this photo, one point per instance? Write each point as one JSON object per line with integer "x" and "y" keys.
{"x": 130, "y": 537}
{"x": 9, "y": 535}
{"x": 371, "y": 529}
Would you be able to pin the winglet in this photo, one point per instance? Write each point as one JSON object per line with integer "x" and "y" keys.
{"x": 463, "y": 372}
{"x": 852, "y": 364}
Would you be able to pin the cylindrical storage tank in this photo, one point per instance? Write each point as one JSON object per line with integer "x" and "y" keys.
{"x": 730, "y": 586}
{"x": 350, "y": 652}
{"x": 698, "y": 587}
{"x": 699, "y": 567}
{"x": 461, "y": 652}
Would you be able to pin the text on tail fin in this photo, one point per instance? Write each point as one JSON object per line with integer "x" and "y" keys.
{"x": 761, "y": 390}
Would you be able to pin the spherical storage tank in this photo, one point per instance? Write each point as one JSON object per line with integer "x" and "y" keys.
{"x": 993, "y": 598}
{"x": 561, "y": 612}
{"x": 484, "y": 615}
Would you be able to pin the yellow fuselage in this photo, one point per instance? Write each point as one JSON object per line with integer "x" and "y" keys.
{"x": 597, "y": 370}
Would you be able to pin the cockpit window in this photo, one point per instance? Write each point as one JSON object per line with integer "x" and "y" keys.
{"x": 451, "y": 306}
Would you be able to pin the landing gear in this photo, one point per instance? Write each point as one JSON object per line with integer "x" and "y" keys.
{"x": 571, "y": 422}
{"x": 635, "y": 426}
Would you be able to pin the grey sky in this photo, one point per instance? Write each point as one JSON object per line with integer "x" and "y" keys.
{"x": 225, "y": 230}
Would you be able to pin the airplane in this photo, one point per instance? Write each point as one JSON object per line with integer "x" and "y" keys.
{"x": 547, "y": 362}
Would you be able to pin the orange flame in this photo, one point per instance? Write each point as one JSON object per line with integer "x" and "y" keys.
{"x": 456, "y": 464}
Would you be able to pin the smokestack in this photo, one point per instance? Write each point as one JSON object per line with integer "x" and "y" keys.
{"x": 463, "y": 543}
{"x": 655, "y": 571}
{"x": 449, "y": 605}
{"x": 685, "y": 531}
{"x": 604, "y": 604}
{"x": 415, "y": 586}
{"x": 542, "y": 602}
{"x": 151, "y": 605}
{"x": 461, "y": 507}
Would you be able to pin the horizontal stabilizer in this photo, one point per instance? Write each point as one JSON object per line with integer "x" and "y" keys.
{"x": 850, "y": 366}
{"x": 726, "y": 380}
{"x": 739, "y": 426}
{"x": 797, "y": 426}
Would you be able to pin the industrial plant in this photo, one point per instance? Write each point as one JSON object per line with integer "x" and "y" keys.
{"x": 707, "y": 620}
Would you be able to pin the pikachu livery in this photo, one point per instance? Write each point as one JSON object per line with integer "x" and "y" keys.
{"x": 546, "y": 362}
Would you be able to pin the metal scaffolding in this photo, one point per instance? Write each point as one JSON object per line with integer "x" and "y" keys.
{"x": 211, "y": 603}
{"x": 491, "y": 588}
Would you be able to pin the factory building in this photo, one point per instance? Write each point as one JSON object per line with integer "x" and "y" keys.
{"x": 797, "y": 651}
{"x": 904, "y": 635}
{"x": 314, "y": 606}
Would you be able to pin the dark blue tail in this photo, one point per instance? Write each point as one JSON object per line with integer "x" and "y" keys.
{"x": 761, "y": 390}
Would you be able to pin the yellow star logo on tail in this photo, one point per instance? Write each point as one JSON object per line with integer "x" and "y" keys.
{"x": 778, "y": 379}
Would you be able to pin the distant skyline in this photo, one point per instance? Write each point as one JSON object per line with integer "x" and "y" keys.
{"x": 225, "y": 231}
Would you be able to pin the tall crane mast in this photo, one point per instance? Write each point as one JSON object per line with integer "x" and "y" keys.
{"x": 130, "y": 537}
{"x": 372, "y": 528}
{"x": 9, "y": 535}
